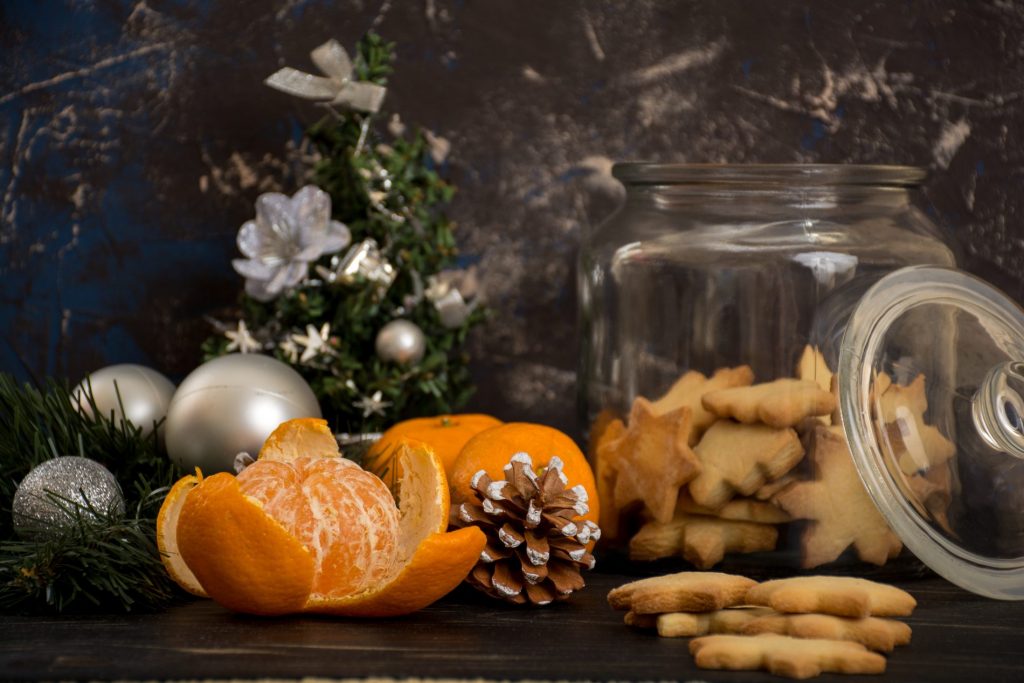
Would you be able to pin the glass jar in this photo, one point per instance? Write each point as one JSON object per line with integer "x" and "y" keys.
{"x": 736, "y": 416}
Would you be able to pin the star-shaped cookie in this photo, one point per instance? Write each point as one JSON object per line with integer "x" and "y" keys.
{"x": 606, "y": 454}
{"x": 741, "y": 458}
{"x": 840, "y": 510}
{"x": 784, "y": 656}
{"x": 689, "y": 389}
{"x": 702, "y": 541}
{"x": 919, "y": 446}
{"x": 783, "y": 403}
{"x": 812, "y": 367}
{"x": 653, "y": 459}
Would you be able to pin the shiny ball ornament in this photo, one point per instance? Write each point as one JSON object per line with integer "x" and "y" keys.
{"x": 231, "y": 404}
{"x": 144, "y": 393}
{"x": 402, "y": 342}
{"x": 45, "y": 501}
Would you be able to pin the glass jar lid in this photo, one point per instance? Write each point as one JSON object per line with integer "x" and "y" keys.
{"x": 931, "y": 392}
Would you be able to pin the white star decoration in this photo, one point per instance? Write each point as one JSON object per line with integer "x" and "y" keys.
{"x": 372, "y": 404}
{"x": 241, "y": 340}
{"x": 290, "y": 350}
{"x": 315, "y": 342}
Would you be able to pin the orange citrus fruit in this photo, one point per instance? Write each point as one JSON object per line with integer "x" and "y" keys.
{"x": 317, "y": 533}
{"x": 446, "y": 434}
{"x": 492, "y": 449}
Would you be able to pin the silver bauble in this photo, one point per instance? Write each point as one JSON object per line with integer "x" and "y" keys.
{"x": 45, "y": 501}
{"x": 232, "y": 404}
{"x": 402, "y": 342}
{"x": 144, "y": 393}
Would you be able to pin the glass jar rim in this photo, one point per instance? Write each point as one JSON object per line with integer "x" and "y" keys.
{"x": 878, "y": 175}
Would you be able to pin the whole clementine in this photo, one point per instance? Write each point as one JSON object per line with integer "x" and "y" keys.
{"x": 445, "y": 434}
{"x": 492, "y": 449}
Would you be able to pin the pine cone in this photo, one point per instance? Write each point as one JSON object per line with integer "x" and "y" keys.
{"x": 536, "y": 545}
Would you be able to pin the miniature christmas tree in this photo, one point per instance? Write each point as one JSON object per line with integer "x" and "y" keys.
{"x": 359, "y": 301}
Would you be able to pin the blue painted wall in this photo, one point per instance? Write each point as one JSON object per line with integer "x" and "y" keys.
{"x": 135, "y": 136}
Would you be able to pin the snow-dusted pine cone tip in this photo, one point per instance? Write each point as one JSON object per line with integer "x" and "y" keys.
{"x": 536, "y": 541}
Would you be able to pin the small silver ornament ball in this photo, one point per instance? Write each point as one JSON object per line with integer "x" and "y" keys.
{"x": 402, "y": 342}
{"x": 232, "y": 404}
{"x": 42, "y": 502}
{"x": 145, "y": 394}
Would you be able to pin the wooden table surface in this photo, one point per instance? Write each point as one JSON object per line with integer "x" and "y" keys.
{"x": 957, "y": 637}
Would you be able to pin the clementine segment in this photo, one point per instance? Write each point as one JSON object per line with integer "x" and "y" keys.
{"x": 445, "y": 434}
{"x": 492, "y": 449}
{"x": 301, "y": 437}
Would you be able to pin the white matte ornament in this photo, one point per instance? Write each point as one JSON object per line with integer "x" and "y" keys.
{"x": 402, "y": 342}
{"x": 49, "y": 497}
{"x": 144, "y": 393}
{"x": 232, "y": 404}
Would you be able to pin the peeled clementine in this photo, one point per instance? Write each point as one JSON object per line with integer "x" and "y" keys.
{"x": 446, "y": 434}
{"x": 492, "y": 449}
{"x": 301, "y": 533}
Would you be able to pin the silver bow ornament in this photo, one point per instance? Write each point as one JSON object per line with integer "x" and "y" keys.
{"x": 363, "y": 260}
{"x": 337, "y": 87}
{"x": 454, "y": 294}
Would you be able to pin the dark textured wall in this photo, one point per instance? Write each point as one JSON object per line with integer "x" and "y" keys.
{"x": 134, "y": 137}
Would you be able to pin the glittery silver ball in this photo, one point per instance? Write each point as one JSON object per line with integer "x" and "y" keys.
{"x": 144, "y": 393}
{"x": 402, "y": 342}
{"x": 232, "y": 404}
{"x": 45, "y": 501}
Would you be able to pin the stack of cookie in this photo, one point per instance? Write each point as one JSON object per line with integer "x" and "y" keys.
{"x": 798, "y": 627}
{"x": 719, "y": 463}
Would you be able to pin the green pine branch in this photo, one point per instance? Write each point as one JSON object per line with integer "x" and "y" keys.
{"x": 102, "y": 559}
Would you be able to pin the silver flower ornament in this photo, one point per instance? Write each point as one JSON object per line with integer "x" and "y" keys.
{"x": 288, "y": 234}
